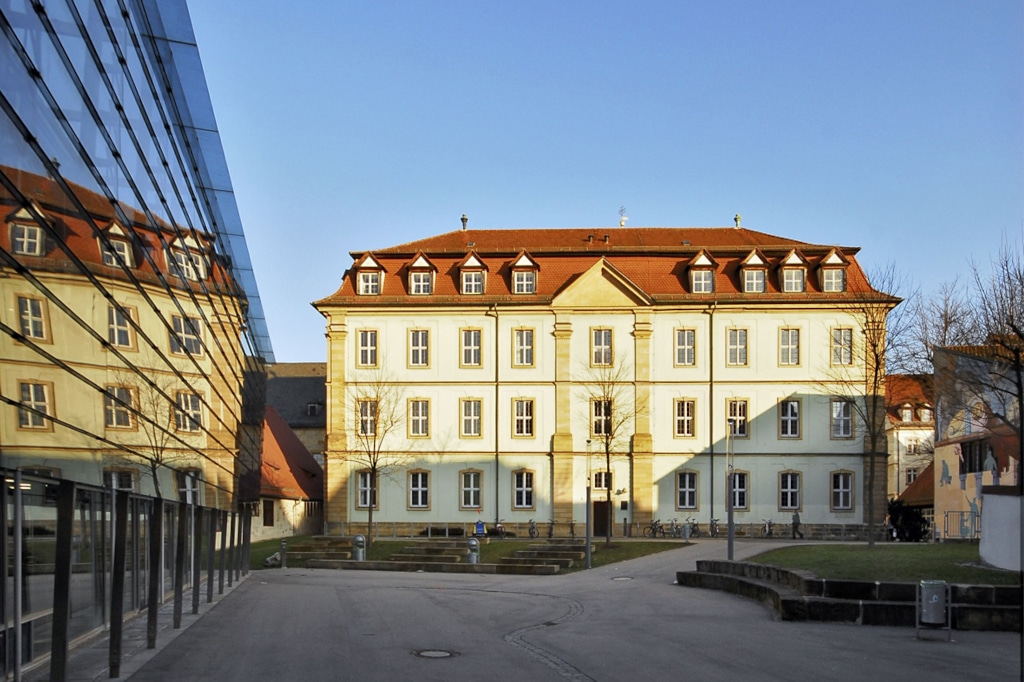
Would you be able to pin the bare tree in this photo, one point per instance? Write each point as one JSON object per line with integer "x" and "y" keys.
{"x": 856, "y": 382}
{"x": 613, "y": 406}
{"x": 376, "y": 413}
{"x": 946, "y": 318}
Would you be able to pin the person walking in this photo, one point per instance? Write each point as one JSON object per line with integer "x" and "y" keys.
{"x": 796, "y": 526}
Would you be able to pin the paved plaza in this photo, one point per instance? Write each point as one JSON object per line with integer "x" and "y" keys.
{"x": 622, "y": 622}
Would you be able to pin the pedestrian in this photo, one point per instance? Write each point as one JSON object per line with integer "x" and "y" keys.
{"x": 796, "y": 526}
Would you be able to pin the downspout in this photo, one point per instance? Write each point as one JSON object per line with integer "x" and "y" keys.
{"x": 497, "y": 487}
{"x": 711, "y": 402}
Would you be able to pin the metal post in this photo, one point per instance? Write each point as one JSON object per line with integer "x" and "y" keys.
{"x": 197, "y": 556}
{"x": 284, "y": 554}
{"x": 179, "y": 564}
{"x": 117, "y": 575}
{"x": 223, "y": 550}
{"x": 156, "y": 541}
{"x": 62, "y": 582}
{"x": 730, "y": 520}
{"x": 588, "y": 521}
{"x": 19, "y": 572}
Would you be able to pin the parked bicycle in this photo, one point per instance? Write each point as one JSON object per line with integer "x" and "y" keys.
{"x": 768, "y": 528}
{"x": 533, "y": 530}
{"x": 655, "y": 529}
{"x": 675, "y": 530}
{"x": 713, "y": 528}
{"x": 499, "y": 530}
{"x": 694, "y": 527}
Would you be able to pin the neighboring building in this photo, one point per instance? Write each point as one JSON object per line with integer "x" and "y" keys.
{"x": 291, "y": 485}
{"x": 489, "y": 368}
{"x": 298, "y": 391}
{"x": 977, "y": 451}
{"x": 920, "y": 494}
{"x": 910, "y": 428}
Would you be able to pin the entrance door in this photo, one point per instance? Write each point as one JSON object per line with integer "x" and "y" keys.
{"x": 600, "y": 518}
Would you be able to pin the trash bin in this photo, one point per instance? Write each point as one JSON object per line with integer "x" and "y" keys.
{"x": 480, "y": 529}
{"x": 933, "y": 602}
{"x": 474, "y": 551}
{"x": 359, "y": 548}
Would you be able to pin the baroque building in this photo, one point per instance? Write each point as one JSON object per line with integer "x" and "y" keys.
{"x": 499, "y": 374}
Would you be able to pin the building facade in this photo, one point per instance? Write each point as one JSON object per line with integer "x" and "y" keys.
{"x": 910, "y": 428}
{"x": 497, "y": 374}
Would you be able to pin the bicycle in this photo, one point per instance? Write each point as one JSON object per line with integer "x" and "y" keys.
{"x": 694, "y": 527}
{"x": 713, "y": 528}
{"x": 533, "y": 530}
{"x": 499, "y": 530}
{"x": 674, "y": 529}
{"x": 768, "y": 528}
{"x": 656, "y": 528}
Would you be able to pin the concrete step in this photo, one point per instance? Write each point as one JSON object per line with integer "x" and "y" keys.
{"x": 427, "y": 558}
{"x": 428, "y": 567}
{"x": 551, "y": 554}
{"x": 302, "y": 555}
{"x": 433, "y": 550}
{"x": 564, "y": 562}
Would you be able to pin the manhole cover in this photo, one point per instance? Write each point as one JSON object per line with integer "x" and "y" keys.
{"x": 434, "y": 653}
{"x": 622, "y": 577}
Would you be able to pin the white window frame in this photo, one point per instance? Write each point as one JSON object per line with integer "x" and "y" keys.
{"x": 188, "y": 412}
{"x": 841, "y": 411}
{"x": 119, "y": 479}
{"x": 754, "y": 280}
{"x": 367, "y": 417}
{"x": 369, "y": 283}
{"x": 186, "y": 335}
{"x": 118, "y": 247}
{"x": 685, "y": 417}
{"x": 119, "y": 330}
{"x": 32, "y": 318}
{"x": 419, "y": 348}
{"x": 601, "y": 347}
{"x": 523, "y": 417}
{"x": 794, "y": 280}
{"x": 471, "y": 347}
{"x": 737, "y": 412}
{"x": 367, "y": 352}
{"x": 419, "y": 418}
{"x": 522, "y": 489}
{"x": 686, "y": 347}
{"x": 365, "y": 491}
{"x": 419, "y": 489}
{"x": 833, "y": 279}
{"x": 789, "y": 347}
{"x": 524, "y": 281}
{"x": 471, "y": 485}
{"x": 27, "y": 240}
{"x": 35, "y": 396}
{"x": 686, "y": 489}
{"x": 472, "y": 282}
{"x": 841, "y": 491}
{"x": 601, "y": 417}
{"x": 421, "y": 282}
{"x": 789, "y": 490}
{"x": 736, "y": 347}
{"x": 789, "y": 418}
{"x": 190, "y": 265}
{"x": 842, "y": 346}
{"x": 602, "y": 480}
{"x": 117, "y": 404}
{"x": 702, "y": 281}
{"x": 740, "y": 489}
{"x": 523, "y": 347}
{"x": 471, "y": 422}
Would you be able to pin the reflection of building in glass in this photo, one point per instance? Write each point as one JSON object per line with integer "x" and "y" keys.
{"x": 132, "y": 327}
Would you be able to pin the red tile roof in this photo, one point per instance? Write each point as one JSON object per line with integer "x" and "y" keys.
{"x": 288, "y": 470}
{"x": 921, "y": 493}
{"x": 913, "y": 389}
{"x": 655, "y": 259}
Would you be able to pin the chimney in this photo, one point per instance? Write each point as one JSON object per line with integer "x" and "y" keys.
{"x": 590, "y": 239}
{"x": 464, "y": 221}
{"x": 606, "y": 238}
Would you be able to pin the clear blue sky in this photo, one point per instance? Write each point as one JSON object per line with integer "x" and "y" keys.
{"x": 894, "y": 126}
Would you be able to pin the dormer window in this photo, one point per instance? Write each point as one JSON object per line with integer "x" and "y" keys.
{"x": 753, "y": 280}
{"x": 926, "y": 414}
{"x": 190, "y": 265}
{"x": 369, "y": 283}
{"x": 117, "y": 252}
{"x": 421, "y": 282}
{"x": 907, "y": 413}
{"x": 702, "y": 281}
{"x": 473, "y": 282}
{"x": 833, "y": 279}
{"x": 27, "y": 240}
{"x": 794, "y": 280}
{"x": 524, "y": 282}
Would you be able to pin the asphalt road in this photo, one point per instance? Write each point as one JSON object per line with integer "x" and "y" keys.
{"x": 622, "y": 622}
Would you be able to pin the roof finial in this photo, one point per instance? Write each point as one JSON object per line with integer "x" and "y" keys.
{"x": 622, "y": 216}
{"x": 464, "y": 221}
{"x": 738, "y": 218}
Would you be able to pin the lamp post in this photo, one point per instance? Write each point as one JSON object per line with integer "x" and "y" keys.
{"x": 587, "y": 531}
{"x": 730, "y": 521}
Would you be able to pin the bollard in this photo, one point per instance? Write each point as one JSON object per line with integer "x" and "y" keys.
{"x": 284, "y": 554}
{"x": 474, "y": 551}
{"x": 359, "y": 548}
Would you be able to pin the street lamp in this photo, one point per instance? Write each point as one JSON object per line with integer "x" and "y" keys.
{"x": 588, "y": 504}
{"x": 730, "y": 521}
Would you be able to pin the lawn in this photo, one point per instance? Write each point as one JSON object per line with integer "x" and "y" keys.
{"x": 953, "y": 562}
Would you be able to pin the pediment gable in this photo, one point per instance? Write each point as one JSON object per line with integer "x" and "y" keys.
{"x": 755, "y": 259}
{"x": 115, "y": 230}
{"x": 523, "y": 260}
{"x": 367, "y": 262}
{"x": 835, "y": 257}
{"x": 793, "y": 259}
{"x": 703, "y": 259}
{"x": 421, "y": 262}
{"x": 472, "y": 262}
{"x": 601, "y": 286}
{"x": 187, "y": 241}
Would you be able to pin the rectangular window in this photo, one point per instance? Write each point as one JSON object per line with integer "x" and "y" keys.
{"x": 601, "y": 347}
{"x": 471, "y": 339}
{"x": 35, "y": 401}
{"x": 186, "y": 337}
{"x": 601, "y": 424}
{"x": 789, "y": 491}
{"x": 268, "y": 513}
{"x": 913, "y": 445}
{"x": 188, "y": 415}
{"x": 522, "y": 418}
{"x": 523, "y": 341}
{"x": 367, "y": 347}
{"x": 842, "y": 419}
{"x": 473, "y": 282}
{"x": 603, "y": 480}
{"x": 753, "y": 281}
{"x": 789, "y": 346}
{"x": 739, "y": 489}
{"x": 737, "y": 416}
{"x": 686, "y": 347}
{"x": 522, "y": 483}
{"x": 27, "y": 240}
{"x": 117, "y": 404}
{"x": 32, "y": 316}
{"x": 471, "y": 484}
{"x": 834, "y": 279}
{"x": 369, "y": 283}
{"x": 686, "y": 488}
{"x": 911, "y": 476}
{"x": 684, "y": 417}
{"x": 118, "y": 249}
{"x": 419, "y": 348}
{"x": 842, "y": 491}
{"x": 190, "y": 265}
{"x": 789, "y": 419}
{"x": 119, "y": 329}
{"x": 842, "y": 346}
{"x": 367, "y": 417}
{"x": 421, "y": 282}
{"x": 703, "y": 281}
{"x": 471, "y": 414}
{"x": 419, "y": 489}
{"x": 367, "y": 491}
{"x": 419, "y": 418}
{"x": 524, "y": 282}
{"x": 737, "y": 347}
{"x": 793, "y": 280}
{"x": 119, "y": 479}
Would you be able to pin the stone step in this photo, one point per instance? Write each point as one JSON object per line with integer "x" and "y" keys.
{"x": 427, "y": 558}
{"x": 564, "y": 562}
{"x": 432, "y": 550}
{"x": 428, "y": 567}
{"x": 551, "y": 554}
{"x": 304, "y": 555}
